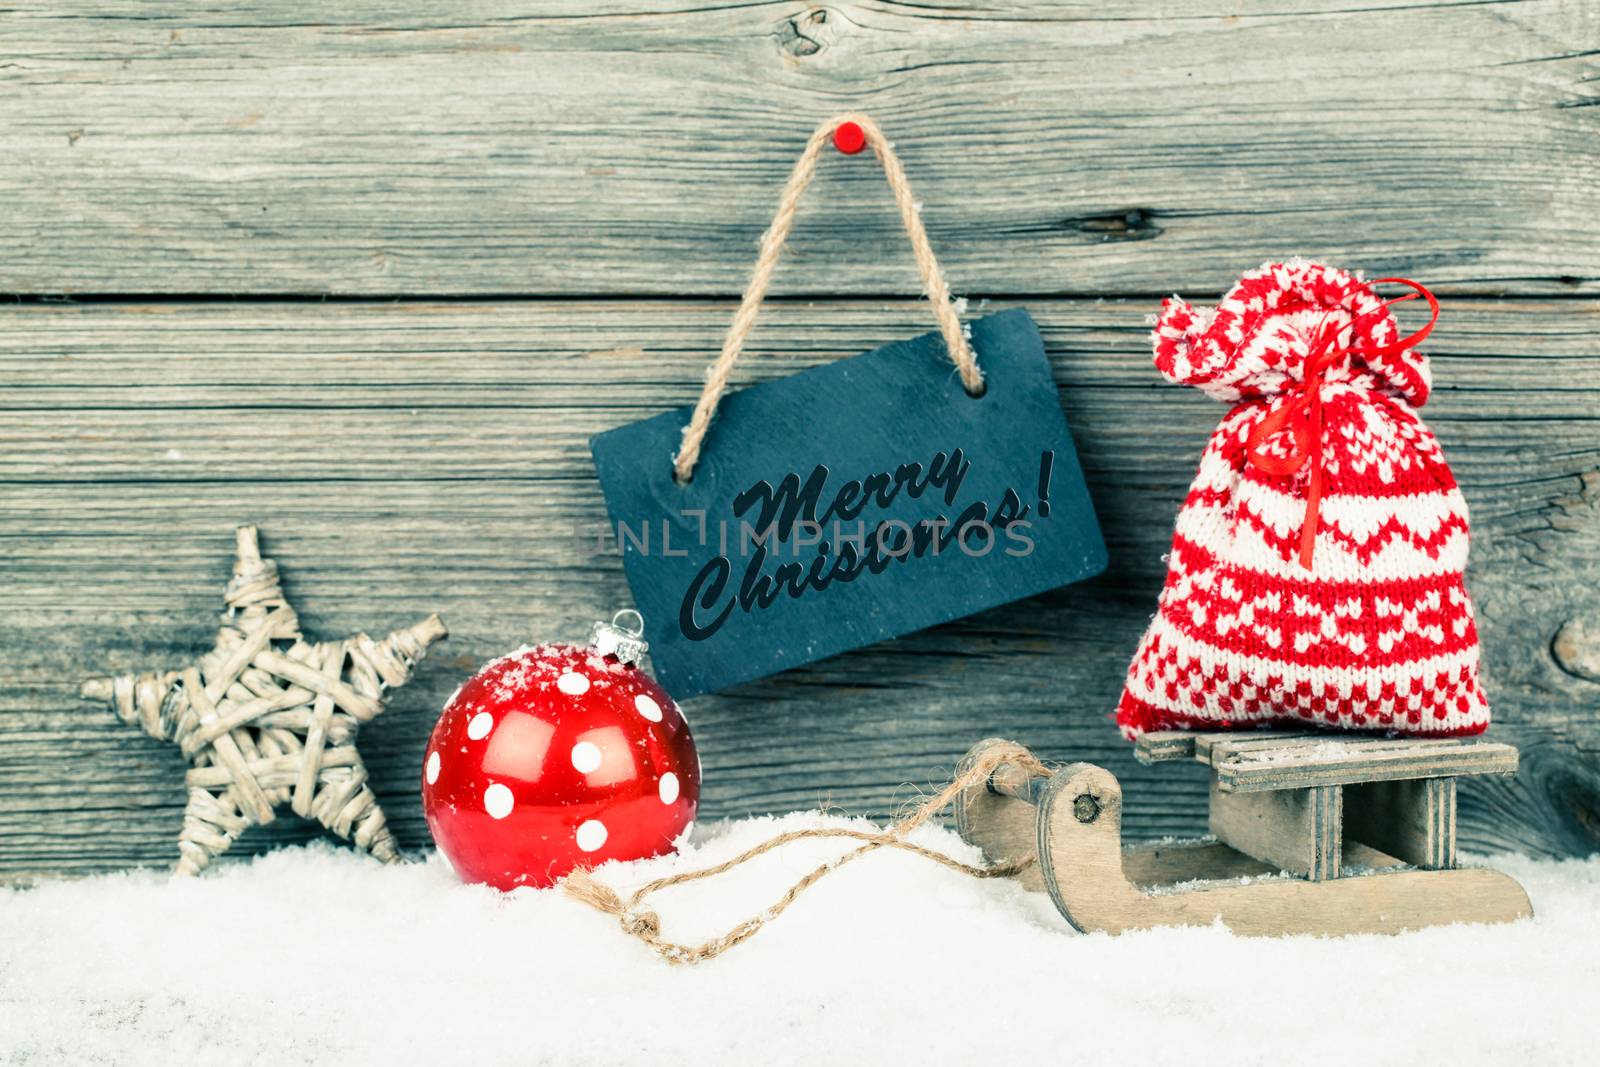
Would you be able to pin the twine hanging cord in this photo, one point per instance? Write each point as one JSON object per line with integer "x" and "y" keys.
{"x": 646, "y": 925}
{"x": 933, "y": 283}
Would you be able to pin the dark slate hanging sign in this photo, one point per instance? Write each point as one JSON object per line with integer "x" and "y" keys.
{"x": 847, "y": 504}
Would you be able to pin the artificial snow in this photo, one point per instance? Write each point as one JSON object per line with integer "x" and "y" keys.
{"x": 321, "y": 955}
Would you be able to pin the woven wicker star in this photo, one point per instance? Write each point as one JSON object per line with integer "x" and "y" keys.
{"x": 268, "y": 718}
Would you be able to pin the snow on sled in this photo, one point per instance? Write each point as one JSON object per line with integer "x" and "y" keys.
{"x": 1312, "y": 834}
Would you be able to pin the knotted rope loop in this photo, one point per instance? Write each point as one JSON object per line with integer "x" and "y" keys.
{"x": 933, "y": 283}
{"x": 1301, "y": 414}
{"x": 645, "y": 925}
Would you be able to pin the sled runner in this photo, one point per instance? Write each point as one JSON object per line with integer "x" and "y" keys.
{"x": 1312, "y": 834}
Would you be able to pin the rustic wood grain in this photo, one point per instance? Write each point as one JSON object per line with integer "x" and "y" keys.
{"x": 1414, "y": 820}
{"x": 1254, "y": 766}
{"x": 1295, "y": 830}
{"x": 406, "y": 458}
{"x": 637, "y": 146}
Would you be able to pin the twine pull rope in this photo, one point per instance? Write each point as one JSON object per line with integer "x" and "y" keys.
{"x": 638, "y": 922}
{"x": 933, "y": 283}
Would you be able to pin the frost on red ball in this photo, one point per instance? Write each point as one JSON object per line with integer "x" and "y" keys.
{"x": 555, "y": 757}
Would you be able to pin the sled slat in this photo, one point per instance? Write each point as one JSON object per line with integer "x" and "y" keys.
{"x": 1414, "y": 820}
{"x": 1320, "y": 761}
{"x": 1356, "y": 858}
{"x": 1251, "y": 741}
{"x": 1018, "y": 783}
{"x": 1296, "y": 830}
{"x": 1165, "y": 864}
{"x": 1159, "y": 746}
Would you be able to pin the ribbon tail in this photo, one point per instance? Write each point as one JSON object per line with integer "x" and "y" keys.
{"x": 1308, "y": 532}
{"x": 1313, "y": 519}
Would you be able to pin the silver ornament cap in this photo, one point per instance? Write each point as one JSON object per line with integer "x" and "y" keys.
{"x": 622, "y": 637}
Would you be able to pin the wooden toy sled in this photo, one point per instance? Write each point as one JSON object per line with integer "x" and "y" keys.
{"x": 1312, "y": 834}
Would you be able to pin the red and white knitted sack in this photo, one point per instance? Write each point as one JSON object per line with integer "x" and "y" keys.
{"x": 1316, "y": 571}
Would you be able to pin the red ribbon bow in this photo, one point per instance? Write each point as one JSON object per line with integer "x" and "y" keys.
{"x": 1302, "y": 414}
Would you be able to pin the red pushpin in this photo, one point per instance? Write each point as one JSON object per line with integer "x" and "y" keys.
{"x": 849, "y": 138}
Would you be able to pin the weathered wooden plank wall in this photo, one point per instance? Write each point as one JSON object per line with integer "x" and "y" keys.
{"x": 514, "y": 148}
{"x": 605, "y": 175}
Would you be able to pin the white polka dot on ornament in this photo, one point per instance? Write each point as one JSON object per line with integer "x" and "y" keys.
{"x": 573, "y": 684}
{"x": 433, "y": 767}
{"x": 585, "y": 756}
{"x": 480, "y": 726}
{"x": 647, "y": 707}
{"x": 667, "y": 788}
{"x": 591, "y": 835}
{"x": 498, "y": 801}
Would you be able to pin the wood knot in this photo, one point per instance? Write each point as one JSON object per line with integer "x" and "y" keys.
{"x": 1125, "y": 224}
{"x": 1085, "y": 808}
{"x": 806, "y": 34}
{"x": 1576, "y": 649}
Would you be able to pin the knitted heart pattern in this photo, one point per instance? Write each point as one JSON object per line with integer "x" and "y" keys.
{"x": 1364, "y": 625}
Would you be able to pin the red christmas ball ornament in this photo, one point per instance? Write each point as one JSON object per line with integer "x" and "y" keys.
{"x": 557, "y": 757}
